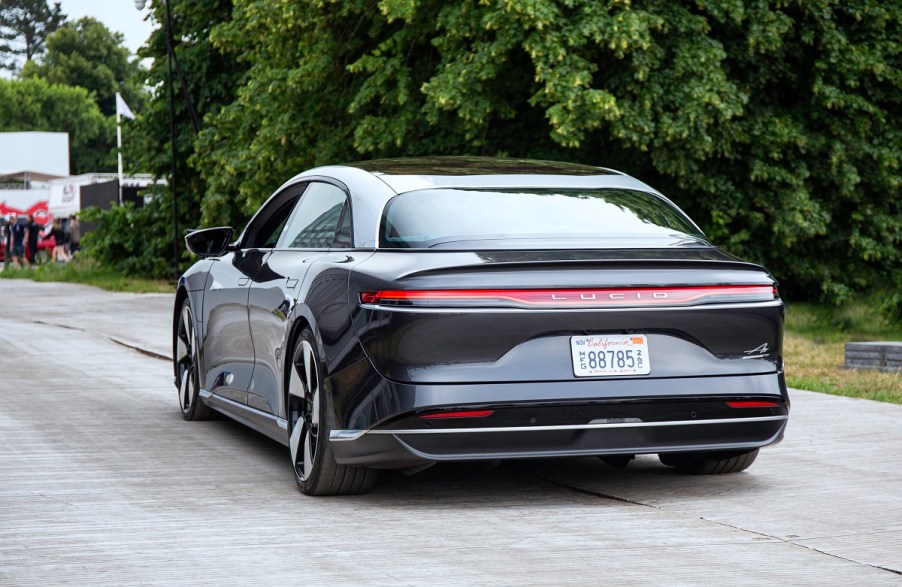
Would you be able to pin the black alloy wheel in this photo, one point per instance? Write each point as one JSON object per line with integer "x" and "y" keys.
{"x": 186, "y": 368}
{"x": 307, "y": 406}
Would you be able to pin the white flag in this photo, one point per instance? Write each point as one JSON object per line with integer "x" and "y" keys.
{"x": 122, "y": 108}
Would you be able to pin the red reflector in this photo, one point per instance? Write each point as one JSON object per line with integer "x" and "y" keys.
{"x": 753, "y": 404}
{"x": 467, "y": 414}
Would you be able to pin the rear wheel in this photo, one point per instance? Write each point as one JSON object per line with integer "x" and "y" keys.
{"x": 309, "y": 424}
{"x": 617, "y": 461}
{"x": 713, "y": 463}
{"x": 187, "y": 377}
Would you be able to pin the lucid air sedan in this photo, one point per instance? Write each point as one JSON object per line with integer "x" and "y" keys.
{"x": 398, "y": 313}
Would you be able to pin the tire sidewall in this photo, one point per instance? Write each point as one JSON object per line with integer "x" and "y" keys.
{"x": 190, "y": 413}
{"x": 309, "y": 485}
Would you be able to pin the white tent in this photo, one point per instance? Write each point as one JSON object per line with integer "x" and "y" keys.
{"x": 38, "y": 156}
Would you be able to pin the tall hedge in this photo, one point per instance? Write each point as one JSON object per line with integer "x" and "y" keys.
{"x": 775, "y": 124}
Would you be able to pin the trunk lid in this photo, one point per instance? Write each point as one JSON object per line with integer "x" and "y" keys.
{"x": 503, "y": 316}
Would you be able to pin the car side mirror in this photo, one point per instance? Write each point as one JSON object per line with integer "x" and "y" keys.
{"x": 209, "y": 242}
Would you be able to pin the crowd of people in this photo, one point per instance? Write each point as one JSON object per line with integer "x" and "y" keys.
{"x": 22, "y": 238}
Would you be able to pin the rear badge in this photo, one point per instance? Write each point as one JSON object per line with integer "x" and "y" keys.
{"x": 756, "y": 353}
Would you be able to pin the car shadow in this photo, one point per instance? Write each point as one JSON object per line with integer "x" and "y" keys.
{"x": 534, "y": 482}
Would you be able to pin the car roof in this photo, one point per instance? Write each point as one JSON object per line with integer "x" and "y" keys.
{"x": 372, "y": 184}
{"x": 476, "y": 166}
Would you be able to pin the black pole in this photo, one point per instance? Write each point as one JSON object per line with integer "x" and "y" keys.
{"x": 175, "y": 217}
{"x": 187, "y": 95}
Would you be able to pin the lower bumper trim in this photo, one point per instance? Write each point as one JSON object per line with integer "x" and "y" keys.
{"x": 349, "y": 435}
{"x": 397, "y": 448}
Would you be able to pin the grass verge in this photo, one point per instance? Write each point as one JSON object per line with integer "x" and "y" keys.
{"x": 815, "y": 350}
{"x": 88, "y": 272}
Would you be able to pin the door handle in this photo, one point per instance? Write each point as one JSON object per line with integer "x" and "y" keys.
{"x": 291, "y": 283}
{"x": 242, "y": 281}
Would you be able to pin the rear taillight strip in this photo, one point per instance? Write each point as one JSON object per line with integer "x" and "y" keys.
{"x": 570, "y": 298}
{"x": 753, "y": 404}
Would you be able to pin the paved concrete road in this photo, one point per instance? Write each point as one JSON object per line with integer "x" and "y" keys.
{"x": 102, "y": 483}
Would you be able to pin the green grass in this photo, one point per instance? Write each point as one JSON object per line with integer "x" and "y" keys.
{"x": 88, "y": 272}
{"x": 815, "y": 348}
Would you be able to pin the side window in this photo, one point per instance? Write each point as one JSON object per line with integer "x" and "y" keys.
{"x": 343, "y": 234}
{"x": 314, "y": 224}
{"x": 269, "y": 224}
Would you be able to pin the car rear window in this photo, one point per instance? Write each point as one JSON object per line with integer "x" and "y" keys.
{"x": 516, "y": 218}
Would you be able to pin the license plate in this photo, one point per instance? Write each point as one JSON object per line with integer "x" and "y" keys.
{"x": 606, "y": 356}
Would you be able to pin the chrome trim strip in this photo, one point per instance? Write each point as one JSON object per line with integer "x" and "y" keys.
{"x": 348, "y": 435}
{"x": 345, "y": 435}
{"x": 475, "y": 310}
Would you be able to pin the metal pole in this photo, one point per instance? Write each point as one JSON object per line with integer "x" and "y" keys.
{"x": 119, "y": 147}
{"x": 175, "y": 219}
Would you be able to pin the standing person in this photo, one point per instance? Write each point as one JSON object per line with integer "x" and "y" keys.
{"x": 33, "y": 229}
{"x": 17, "y": 240}
{"x": 64, "y": 230}
{"x": 74, "y": 234}
{"x": 59, "y": 239}
{"x": 5, "y": 236}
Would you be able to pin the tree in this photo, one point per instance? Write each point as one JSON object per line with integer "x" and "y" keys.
{"x": 211, "y": 77}
{"x": 87, "y": 54}
{"x": 36, "y": 105}
{"x": 775, "y": 124}
{"x": 24, "y": 27}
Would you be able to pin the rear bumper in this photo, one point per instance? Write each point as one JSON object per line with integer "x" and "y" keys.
{"x": 411, "y": 447}
{"x": 400, "y": 448}
{"x": 383, "y": 426}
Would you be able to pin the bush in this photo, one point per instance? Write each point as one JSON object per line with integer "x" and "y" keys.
{"x": 130, "y": 240}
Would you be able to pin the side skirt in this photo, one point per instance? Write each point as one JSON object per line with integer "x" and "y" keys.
{"x": 271, "y": 426}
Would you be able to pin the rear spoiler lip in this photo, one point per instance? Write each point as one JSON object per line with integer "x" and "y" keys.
{"x": 582, "y": 263}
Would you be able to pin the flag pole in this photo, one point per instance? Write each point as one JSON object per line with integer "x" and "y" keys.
{"x": 119, "y": 144}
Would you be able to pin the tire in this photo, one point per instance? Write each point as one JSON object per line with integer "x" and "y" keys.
{"x": 310, "y": 420}
{"x": 714, "y": 463}
{"x": 619, "y": 462}
{"x": 187, "y": 371}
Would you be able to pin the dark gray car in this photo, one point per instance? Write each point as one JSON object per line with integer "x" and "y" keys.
{"x": 398, "y": 313}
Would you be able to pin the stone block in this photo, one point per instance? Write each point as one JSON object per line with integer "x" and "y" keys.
{"x": 886, "y": 356}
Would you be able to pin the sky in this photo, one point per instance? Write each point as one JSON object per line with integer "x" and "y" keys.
{"x": 119, "y": 16}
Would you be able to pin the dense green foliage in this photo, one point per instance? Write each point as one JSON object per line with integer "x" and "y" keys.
{"x": 122, "y": 243}
{"x": 36, "y": 105}
{"x": 24, "y": 27}
{"x": 775, "y": 124}
{"x": 87, "y": 54}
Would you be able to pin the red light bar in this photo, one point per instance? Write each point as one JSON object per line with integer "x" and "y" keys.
{"x": 569, "y": 298}
{"x": 464, "y": 414}
{"x": 753, "y": 404}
